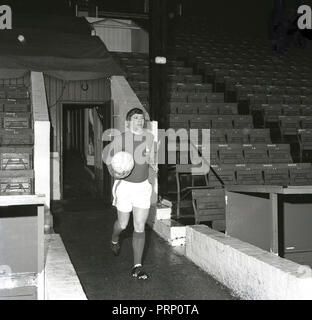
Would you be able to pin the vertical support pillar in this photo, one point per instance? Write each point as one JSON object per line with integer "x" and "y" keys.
{"x": 158, "y": 78}
{"x": 274, "y": 212}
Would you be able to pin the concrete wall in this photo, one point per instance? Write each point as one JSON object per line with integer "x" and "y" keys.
{"x": 250, "y": 272}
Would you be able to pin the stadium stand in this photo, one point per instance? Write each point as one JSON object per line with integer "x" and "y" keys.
{"x": 257, "y": 106}
{"x": 16, "y": 141}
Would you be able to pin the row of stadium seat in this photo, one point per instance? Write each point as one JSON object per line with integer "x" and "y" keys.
{"x": 259, "y": 99}
{"x": 290, "y": 125}
{"x": 286, "y": 84}
{"x": 214, "y": 108}
{"x": 206, "y": 121}
{"x": 256, "y": 174}
{"x": 230, "y": 153}
{"x": 199, "y": 97}
{"x": 243, "y": 67}
{"x": 272, "y": 111}
{"x": 190, "y": 87}
{"x": 228, "y": 136}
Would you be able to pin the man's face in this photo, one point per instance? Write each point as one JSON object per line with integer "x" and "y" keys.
{"x": 137, "y": 123}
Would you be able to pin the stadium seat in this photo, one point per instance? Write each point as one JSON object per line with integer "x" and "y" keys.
{"x": 215, "y": 97}
{"x": 279, "y": 153}
{"x": 173, "y": 107}
{"x": 242, "y": 91}
{"x": 272, "y": 90}
{"x": 255, "y": 153}
{"x": 305, "y": 142}
{"x": 306, "y": 100}
{"x": 256, "y": 100}
{"x": 293, "y": 91}
{"x": 217, "y": 136}
{"x": 197, "y": 97}
{"x": 271, "y": 113}
{"x": 220, "y": 175}
{"x": 289, "y": 125}
{"x": 237, "y": 136}
{"x": 306, "y": 110}
{"x": 291, "y": 110}
{"x": 179, "y": 121}
{"x": 249, "y": 175}
{"x": 177, "y": 97}
{"x": 187, "y": 109}
{"x": 292, "y": 100}
{"x": 300, "y": 174}
{"x": 230, "y": 154}
{"x": 203, "y": 87}
{"x": 275, "y": 99}
{"x": 174, "y": 87}
{"x": 173, "y": 78}
{"x": 276, "y": 174}
{"x": 137, "y": 76}
{"x": 306, "y": 122}
{"x": 259, "y": 136}
{"x": 192, "y": 78}
{"x": 305, "y": 91}
{"x": 208, "y": 108}
{"x": 242, "y": 122}
{"x": 219, "y": 122}
{"x": 200, "y": 122}
{"x": 208, "y": 204}
{"x": 228, "y": 109}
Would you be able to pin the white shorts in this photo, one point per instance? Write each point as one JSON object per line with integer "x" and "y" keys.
{"x": 130, "y": 194}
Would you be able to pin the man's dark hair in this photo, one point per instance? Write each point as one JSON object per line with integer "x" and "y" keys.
{"x": 132, "y": 112}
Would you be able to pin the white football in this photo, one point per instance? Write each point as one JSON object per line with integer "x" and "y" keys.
{"x": 122, "y": 162}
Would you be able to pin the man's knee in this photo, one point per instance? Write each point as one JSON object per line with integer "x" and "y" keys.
{"x": 139, "y": 227}
{"x": 123, "y": 225}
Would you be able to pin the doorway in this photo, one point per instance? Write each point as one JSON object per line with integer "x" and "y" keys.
{"x": 84, "y": 175}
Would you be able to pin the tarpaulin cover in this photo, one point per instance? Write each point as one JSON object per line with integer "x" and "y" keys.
{"x": 66, "y": 55}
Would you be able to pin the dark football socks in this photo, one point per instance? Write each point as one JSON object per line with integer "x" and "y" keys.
{"x": 116, "y": 232}
{"x": 138, "y": 242}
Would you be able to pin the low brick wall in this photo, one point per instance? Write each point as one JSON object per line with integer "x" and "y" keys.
{"x": 249, "y": 271}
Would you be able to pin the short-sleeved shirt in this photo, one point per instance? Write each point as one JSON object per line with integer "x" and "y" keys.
{"x": 139, "y": 146}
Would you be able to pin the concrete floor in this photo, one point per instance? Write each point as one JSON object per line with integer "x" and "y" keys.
{"x": 85, "y": 227}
